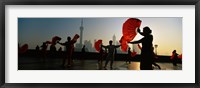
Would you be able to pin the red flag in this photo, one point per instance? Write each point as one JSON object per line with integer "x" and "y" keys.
{"x": 97, "y": 45}
{"x": 133, "y": 54}
{"x": 48, "y": 42}
{"x": 55, "y": 39}
{"x": 180, "y": 56}
{"x": 23, "y": 49}
{"x": 124, "y": 45}
{"x": 172, "y": 56}
{"x": 75, "y": 37}
{"x": 129, "y": 31}
{"x": 129, "y": 28}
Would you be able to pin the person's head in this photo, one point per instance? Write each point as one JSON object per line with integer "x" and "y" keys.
{"x": 174, "y": 51}
{"x": 146, "y": 31}
{"x": 68, "y": 38}
{"x": 110, "y": 42}
{"x": 129, "y": 48}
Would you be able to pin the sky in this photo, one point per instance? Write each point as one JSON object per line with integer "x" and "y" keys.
{"x": 167, "y": 31}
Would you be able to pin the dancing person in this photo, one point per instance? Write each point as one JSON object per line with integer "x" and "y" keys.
{"x": 128, "y": 59}
{"x": 174, "y": 58}
{"x": 69, "y": 45}
{"x": 44, "y": 51}
{"x": 147, "y": 51}
{"x": 111, "y": 53}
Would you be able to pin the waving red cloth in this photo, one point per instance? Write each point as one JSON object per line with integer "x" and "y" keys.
{"x": 129, "y": 31}
{"x": 124, "y": 44}
{"x": 133, "y": 54}
{"x": 180, "y": 56}
{"x": 55, "y": 39}
{"x": 48, "y": 42}
{"x": 172, "y": 56}
{"x": 97, "y": 45}
{"x": 75, "y": 38}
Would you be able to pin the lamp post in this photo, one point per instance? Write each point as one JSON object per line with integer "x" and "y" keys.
{"x": 156, "y": 48}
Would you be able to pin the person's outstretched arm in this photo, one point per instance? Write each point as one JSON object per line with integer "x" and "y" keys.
{"x": 136, "y": 42}
{"x": 61, "y": 43}
{"x": 103, "y": 46}
{"x": 117, "y": 46}
{"x": 138, "y": 30}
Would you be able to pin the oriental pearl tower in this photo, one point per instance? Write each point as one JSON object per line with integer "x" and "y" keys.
{"x": 81, "y": 33}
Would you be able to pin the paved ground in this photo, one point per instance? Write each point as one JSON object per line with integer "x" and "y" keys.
{"x": 55, "y": 64}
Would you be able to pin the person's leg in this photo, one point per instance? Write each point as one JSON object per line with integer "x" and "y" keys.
{"x": 107, "y": 60}
{"x": 111, "y": 63}
{"x": 129, "y": 60}
{"x": 68, "y": 59}
{"x": 156, "y": 65}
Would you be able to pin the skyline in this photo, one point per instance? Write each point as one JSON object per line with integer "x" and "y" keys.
{"x": 167, "y": 31}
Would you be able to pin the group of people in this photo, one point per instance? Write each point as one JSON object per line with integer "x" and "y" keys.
{"x": 109, "y": 51}
{"x": 69, "y": 45}
{"x": 147, "y": 54}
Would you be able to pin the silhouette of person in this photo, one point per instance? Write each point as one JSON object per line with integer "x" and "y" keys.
{"x": 111, "y": 52}
{"x": 59, "y": 53}
{"x": 102, "y": 54}
{"x": 52, "y": 50}
{"x": 174, "y": 58}
{"x": 37, "y": 48}
{"x": 129, "y": 56}
{"x": 69, "y": 45}
{"x": 82, "y": 54}
{"x": 60, "y": 49}
{"x": 44, "y": 49}
{"x": 83, "y": 49}
{"x": 147, "y": 51}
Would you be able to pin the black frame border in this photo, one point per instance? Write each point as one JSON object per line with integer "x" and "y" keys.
{"x": 3, "y": 3}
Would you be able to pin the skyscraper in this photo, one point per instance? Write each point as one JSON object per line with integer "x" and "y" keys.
{"x": 80, "y": 44}
{"x": 81, "y": 33}
{"x": 114, "y": 39}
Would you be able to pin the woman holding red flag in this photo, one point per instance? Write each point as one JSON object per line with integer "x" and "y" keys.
{"x": 147, "y": 51}
{"x": 69, "y": 45}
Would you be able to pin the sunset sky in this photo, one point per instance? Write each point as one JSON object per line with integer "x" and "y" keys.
{"x": 167, "y": 32}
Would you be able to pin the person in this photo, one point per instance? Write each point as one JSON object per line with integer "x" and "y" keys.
{"x": 111, "y": 52}
{"x": 60, "y": 49}
{"x": 82, "y": 55}
{"x": 44, "y": 49}
{"x": 69, "y": 45}
{"x": 83, "y": 49}
{"x": 102, "y": 56}
{"x": 174, "y": 58}
{"x": 146, "y": 52}
{"x": 37, "y": 49}
{"x": 128, "y": 59}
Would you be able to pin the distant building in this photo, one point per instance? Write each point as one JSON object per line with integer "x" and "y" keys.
{"x": 88, "y": 46}
{"x": 114, "y": 39}
{"x": 79, "y": 45}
